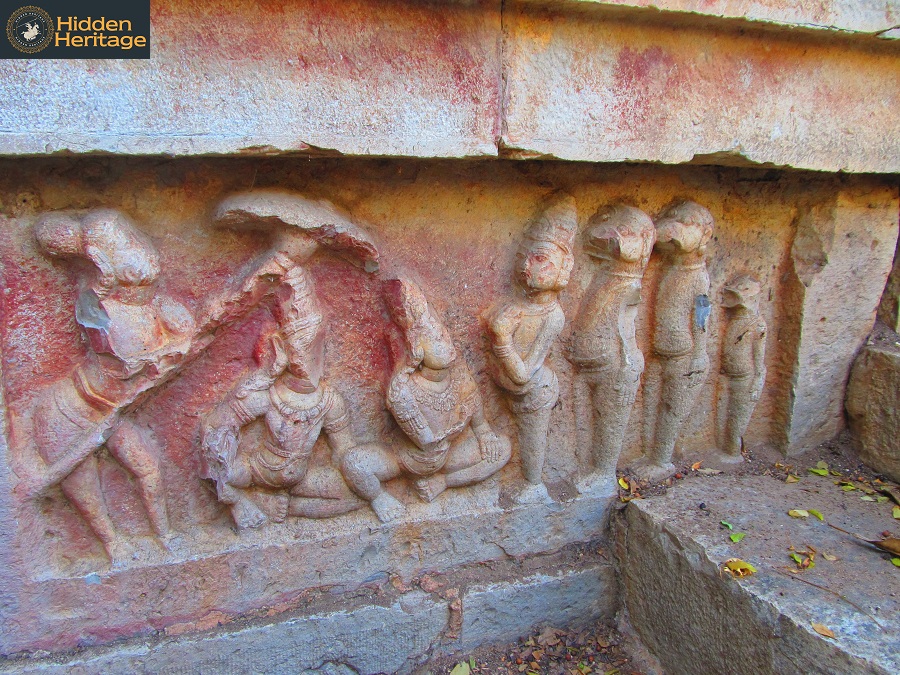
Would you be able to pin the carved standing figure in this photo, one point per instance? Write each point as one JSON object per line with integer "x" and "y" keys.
{"x": 136, "y": 336}
{"x": 681, "y": 328}
{"x": 435, "y": 401}
{"x": 523, "y": 330}
{"x": 620, "y": 238}
{"x": 297, "y": 405}
{"x": 743, "y": 362}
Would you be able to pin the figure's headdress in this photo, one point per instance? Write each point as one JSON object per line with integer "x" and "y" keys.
{"x": 301, "y": 317}
{"x": 557, "y": 223}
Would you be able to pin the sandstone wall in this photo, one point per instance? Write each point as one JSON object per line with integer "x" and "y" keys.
{"x": 444, "y": 130}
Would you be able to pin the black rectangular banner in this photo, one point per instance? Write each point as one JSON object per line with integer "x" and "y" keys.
{"x": 83, "y": 29}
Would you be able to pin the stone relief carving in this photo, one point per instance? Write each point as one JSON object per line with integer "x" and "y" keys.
{"x": 743, "y": 363}
{"x": 139, "y": 337}
{"x": 604, "y": 346}
{"x": 435, "y": 401}
{"x": 523, "y": 330}
{"x": 681, "y": 329}
{"x": 297, "y": 405}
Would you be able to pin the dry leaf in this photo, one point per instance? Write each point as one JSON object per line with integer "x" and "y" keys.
{"x": 623, "y": 483}
{"x": 739, "y": 568}
{"x": 461, "y": 669}
{"x": 891, "y": 545}
{"x": 896, "y": 512}
{"x": 867, "y": 498}
{"x": 821, "y": 465}
{"x": 696, "y": 465}
{"x": 823, "y": 630}
{"x": 798, "y": 513}
{"x": 709, "y": 472}
{"x": 791, "y": 479}
{"x": 829, "y": 557}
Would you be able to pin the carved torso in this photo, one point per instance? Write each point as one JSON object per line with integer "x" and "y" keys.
{"x": 538, "y": 326}
{"x": 740, "y": 338}
{"x": 605, "y": 331}
{"x": 679, "y": 290}
{"x": 444, "y": 407}
{"x": 293, "y": 423}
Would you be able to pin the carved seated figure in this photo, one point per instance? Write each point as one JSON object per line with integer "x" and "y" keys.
{"x": 435, "y": 400}
{"x": 136, "y": 335}
{"x": 297, "y": 405}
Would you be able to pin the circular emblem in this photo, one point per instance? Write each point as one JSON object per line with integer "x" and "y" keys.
{"x": 29, "y": 29}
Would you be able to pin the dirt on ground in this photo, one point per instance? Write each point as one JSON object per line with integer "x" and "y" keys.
{"x": 599, "y": 649}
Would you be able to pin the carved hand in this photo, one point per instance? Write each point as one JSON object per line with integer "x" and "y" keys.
{"x": 490, "y": 446}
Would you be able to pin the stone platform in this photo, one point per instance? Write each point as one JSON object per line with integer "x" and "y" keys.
{"x": 696, "y": 619}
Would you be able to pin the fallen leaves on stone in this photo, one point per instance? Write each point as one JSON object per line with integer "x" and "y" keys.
{"x": 737, "y": 536}
{"x": 724, "y": 523}
{"x": 738, "y": 568}
{"x": 896, "y": 512}
{"x": 461, "y": 669}
{"x": 805, "y": 559}
{"x": 798, "y": 513}
{"x": 823, "y": 630}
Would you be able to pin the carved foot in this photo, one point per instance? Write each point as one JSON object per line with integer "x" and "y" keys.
{"x": 723, "y": 459}
{"x": 173, "y": 543}
{"x": 120, "y": 553}
{"x": 429, "y": 488}
{"x": 387, "y": 508}
{"x": 533, "y": 493}
{"x": 647, "y": 470}
{"x": 246, "y": 514}
{"x": 596, "y": 484}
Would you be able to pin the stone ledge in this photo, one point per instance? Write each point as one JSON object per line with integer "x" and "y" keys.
{"x": 695, "y": 619}
{"x": 386, "y": 635}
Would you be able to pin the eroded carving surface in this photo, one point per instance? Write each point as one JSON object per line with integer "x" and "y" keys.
{"x": 523, "y": 330}
{"x": 620, "y": 239}
{"x": 681, "y": 328}
{"x": 743, "y": 362}
{"x": 436, "y": 402}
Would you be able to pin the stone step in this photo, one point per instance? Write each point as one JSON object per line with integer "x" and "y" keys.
{"x": 696, "y": 619}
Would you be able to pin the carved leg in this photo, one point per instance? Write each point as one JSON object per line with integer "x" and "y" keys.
{"x": 740, "y": 410}
{"x": 321, "y": 494}
{"x": 679, "y": 392}
{"x": 612, "y": 401}
{"x": 365, "y": 468}
{"x": 460, "y": 471}
{"x": 132, "y": 447}
{"x": 532, "y": 428}
{"x": 82, "y": 487}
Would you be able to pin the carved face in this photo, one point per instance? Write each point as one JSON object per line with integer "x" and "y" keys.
{"x": 741, "y": 292}
{"x": 542, "y": 266}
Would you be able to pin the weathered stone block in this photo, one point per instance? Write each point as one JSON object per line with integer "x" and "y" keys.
{"x": 840, "y": 259}
{"x": 239, "y": 77}
{"x": 457, "y": 230}
{"x": 873, "y": 406}
{"x": 694, "y": 618}
{"x": 862, "y": 16}
{"x": 590, "y": 86}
